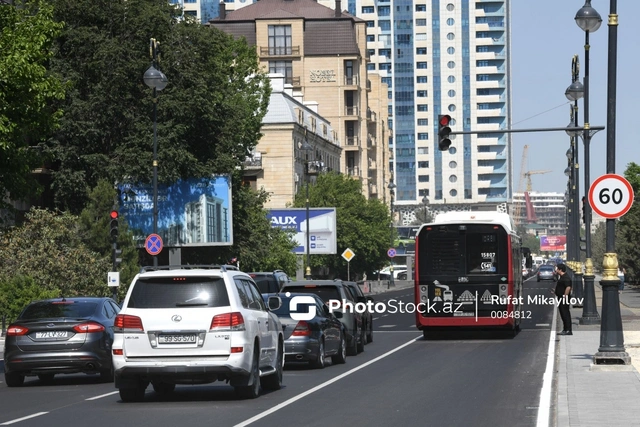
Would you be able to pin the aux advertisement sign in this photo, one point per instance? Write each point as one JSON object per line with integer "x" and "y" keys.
{"x": 322, "y": 226}
{"x": 553, "y": 243}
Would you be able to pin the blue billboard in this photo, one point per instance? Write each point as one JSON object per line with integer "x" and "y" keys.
{"x": 322, "y": 228}
{"x": 193, "y": 212}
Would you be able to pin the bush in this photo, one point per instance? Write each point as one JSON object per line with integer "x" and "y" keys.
{"x": 18, "y": 291}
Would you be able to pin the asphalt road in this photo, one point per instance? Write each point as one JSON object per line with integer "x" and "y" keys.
{"x": 400, "y": 379}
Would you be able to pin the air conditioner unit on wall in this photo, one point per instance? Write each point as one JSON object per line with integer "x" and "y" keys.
{"x": 296, "y": 177}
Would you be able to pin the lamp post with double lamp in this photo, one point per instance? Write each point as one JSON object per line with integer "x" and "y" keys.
{"x": 573, "y": 93}
{"x": 611, "y": 350}
{"x": 157, "y": 81}
{"x": 391, "y": 188}
{"x": 589, "y": 20}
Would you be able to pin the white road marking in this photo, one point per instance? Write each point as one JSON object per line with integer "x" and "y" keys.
{"x": 17, "y": 420}
{"x": 102, "y": 395}
{"x": 375, "y": 318}
{"x": 323, "y": 385}
{"x": 542, "y": 324}
{"x": 387, "y": 326}
{"x": 547, "y": 379}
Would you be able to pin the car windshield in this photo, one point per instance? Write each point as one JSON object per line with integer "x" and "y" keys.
{"x": 57, "y": 309}
{"x": 169, "y": 292}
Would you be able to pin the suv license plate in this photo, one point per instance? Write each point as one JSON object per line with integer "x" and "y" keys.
{"x": 177, "y": 339}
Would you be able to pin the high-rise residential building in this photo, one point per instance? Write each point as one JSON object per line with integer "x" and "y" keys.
{"x": 547, "y": 212}
{"x": 321, "y": 52}
{"x": 444, "y": 57}
{"x": 201, "y": 10}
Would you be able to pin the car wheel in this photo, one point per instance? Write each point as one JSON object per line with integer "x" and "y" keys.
{"x": 13, "y": 379}
{"x": 319, "y": 362}
{"x": 163, "y": 388}
{"x": 363, "y": 340}
{"x": 46, "y": 378}
{"x": 274, "y": 381}
{"x": 251, "y": 391}
{"x": 353, "y": 348}
{"x": 133, "y": 394}
{"x": 106, "y": 375}
{"x": 370, "y": 332}
{"x": 341, "y": 357}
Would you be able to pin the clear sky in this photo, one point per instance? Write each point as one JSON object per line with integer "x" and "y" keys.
{"x": 544, "y": 38}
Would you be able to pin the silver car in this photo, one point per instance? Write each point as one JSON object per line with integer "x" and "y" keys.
{"x": 546, "y": 272}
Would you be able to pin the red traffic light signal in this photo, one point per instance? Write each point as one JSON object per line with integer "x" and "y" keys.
{"x": 114, "y": 214}
{"x": 113, "y": 224}
{"x": 443, "y": 132}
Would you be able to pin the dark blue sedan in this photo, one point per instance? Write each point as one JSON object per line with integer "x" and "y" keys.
{"x": 60, "y": 336}
{"x": 311, "y": 332}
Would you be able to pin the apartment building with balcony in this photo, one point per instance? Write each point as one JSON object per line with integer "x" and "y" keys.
{"x": 550, "y": 210}
{"x": 278, "y": 163}
{"x": 321, "y": 52}
{"x": 444, "y": 57}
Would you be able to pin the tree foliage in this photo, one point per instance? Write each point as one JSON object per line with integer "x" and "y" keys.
{"x": 27, "y": 89}
{"x": 628, "y": 228}
{"x": 362, "y": 224}
{"x": 49, "y": 248}
{"x": 18, "y": 291}
{"x": 208, "y": 117}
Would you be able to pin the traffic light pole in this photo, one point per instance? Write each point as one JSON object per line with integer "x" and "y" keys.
{"x": 564, "y": 129}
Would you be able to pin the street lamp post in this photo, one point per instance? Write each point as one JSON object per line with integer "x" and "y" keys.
{"x": 589, "y": 20}
{"x": 306, "y": 147}
{"x": 573, "y": 93}
{"x": 611, "y": 350}
{"x": 157, "y": 81}
{"x": 391, "y": 188}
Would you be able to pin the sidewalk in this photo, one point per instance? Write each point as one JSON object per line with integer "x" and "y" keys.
{"x": 372, "y": 287}
{"x": 599, "y": 395}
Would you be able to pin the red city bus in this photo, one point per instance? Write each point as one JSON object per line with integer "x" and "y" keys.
{"x": 468, "y": 273}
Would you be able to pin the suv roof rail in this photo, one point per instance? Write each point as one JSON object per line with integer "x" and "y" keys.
{"x": 222, "y": 267}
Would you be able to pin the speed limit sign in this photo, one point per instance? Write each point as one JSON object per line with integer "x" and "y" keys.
{"x": 611, "y": 196}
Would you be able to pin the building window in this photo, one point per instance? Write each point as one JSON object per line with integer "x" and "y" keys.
{"x": 482, "y": 63}
{"x": 421, "y": 8}
{"x": 451, "y": 64}
{"x": 424, "y": 150}
{"x": 423, "y": 164}
{"x": 452, "y": 108}
{"x": 421, "y": 65}
{"x": 191, "y": 12}
{"x": 423, "y": 178}
{"x": 423, "y": 136}
{"x": 371, "y": 24}
{"x": 385, "y": 25}
{"x": 422, "y": 93}
{"x": 367, "y": 9}
{"x": 385, "y": 66}
{"x": 423, "y": 107}
{"x": 453, "y": 164}
{"x": 421, "y": 51}
{"x": 385, "y": 52}
{"x": 450, "y": 7}
{"x": 422, "y": 79}
{"x": 421, "y": 22}
{"x": 451, "y": 79}
{"x": 280, "y": 39}
{"x": 451, "y": 36}
{"x": 386, "y": 80}
{"x": 371, "y": 66}
{"x": 421, "y": 36}
{"x": 451, "y": 93}
{"x": 371, "y": 52}
{"x": 423, "y": 122}
{"x": 384, "y": 11}
{"x": 450, "y": 21}
{"x": 453, "y": 178}
{"x": 451, "y": 50}
{"x": 371, "y": 38}
{"x": 283, "y": 67}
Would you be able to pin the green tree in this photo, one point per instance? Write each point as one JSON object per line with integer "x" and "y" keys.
{"x": 628, "y": 229}
{"x": 27, "y": 90}
{"x": 208, "y": 117}
{"x": 362, "y": 225}
{"x": 18, "y": 291}
{"x": 95, "y": 220}
{"x": 49, "y": 248}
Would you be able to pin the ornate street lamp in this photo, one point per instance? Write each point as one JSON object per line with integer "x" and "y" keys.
{"x": 391, "y": 188}
{"x": 306, "y": 147}
{"x": 589, "y": 20}
{"x": 157, "y": 81}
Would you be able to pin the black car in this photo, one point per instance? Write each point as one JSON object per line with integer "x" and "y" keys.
{"x": 60, "y": 336}
{"x": 368, "y": 316}
{"x": 312, "y": 339}
{"x": 336, "y": 292}
{"x": 269, "y": 281}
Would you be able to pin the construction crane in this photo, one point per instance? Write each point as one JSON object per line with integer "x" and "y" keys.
{"x": 517, "y": 207}
{"x": 528, "y": 174}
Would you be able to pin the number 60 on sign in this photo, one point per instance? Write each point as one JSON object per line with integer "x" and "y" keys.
{"x": 611, "y": 196}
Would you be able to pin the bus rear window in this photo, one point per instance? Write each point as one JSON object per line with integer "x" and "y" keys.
{"x": 482, "y": 253}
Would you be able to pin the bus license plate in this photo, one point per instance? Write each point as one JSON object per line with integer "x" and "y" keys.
{"x": 177, "y": 339}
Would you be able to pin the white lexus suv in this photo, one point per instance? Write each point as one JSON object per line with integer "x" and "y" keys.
{"x": 196, "y": 325}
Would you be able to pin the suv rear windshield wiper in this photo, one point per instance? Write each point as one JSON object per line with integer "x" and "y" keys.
{"x": 192, "y": 304}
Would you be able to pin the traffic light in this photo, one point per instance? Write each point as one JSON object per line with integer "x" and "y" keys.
{"x": 114, "y": 224}
{"x": 116, "y": 257}
{"x": 584, "y": 210}
{"x": 443, "y": 132}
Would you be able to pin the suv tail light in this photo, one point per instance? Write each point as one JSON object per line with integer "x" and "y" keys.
{"x": 126, "y": 321}
{"x": 89, "y": 327}
{"x": 16, "y": 330}
{"x": 301, "y": 329}
{"x": 227, "y": 322}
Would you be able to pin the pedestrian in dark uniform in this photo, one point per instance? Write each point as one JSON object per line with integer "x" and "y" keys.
{"x": 563, "y": 293}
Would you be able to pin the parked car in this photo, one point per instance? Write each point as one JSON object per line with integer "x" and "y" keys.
{"x": 60, "y": 336}
{"x": 546, "y": 272}
{"x": 368, "y": 316}
{"x": 196, "y": 325}
{"x": 311, "y": 340}
{"x": 269, "y": 282}
{"x": 525, "y": 272}
{"x": 335, "y": 290}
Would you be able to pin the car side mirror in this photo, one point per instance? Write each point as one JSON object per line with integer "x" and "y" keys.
{"x": 274, "y": 303}
{"x": 338, "y": 314}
